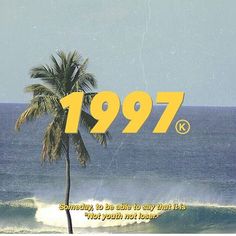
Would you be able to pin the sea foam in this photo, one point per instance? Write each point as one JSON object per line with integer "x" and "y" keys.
{"x": 49, "y": 214}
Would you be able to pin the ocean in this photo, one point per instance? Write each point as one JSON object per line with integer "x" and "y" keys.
{"x": 198, "y": 169}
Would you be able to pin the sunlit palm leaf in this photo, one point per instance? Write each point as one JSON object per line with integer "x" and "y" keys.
{"x": 53, "y": 141}
{"x": 88, "y": 122}
{"x": 83, "y": 155}
{"x": 39, "y": 89}
{"x": 38, "y": 107}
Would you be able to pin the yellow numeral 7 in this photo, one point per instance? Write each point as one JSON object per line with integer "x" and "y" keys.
{"x": 174, "y": 101}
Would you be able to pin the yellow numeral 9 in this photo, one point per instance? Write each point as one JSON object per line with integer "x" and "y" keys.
{"x": 137, "y": 116}
{"x": 104, "y": 116}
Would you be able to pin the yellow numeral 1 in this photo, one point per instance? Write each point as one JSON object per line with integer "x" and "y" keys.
{"x": 174, "y": 101}
{"x": 104, "y": 115}
{"x": 74, "y": 103}
{"x": 137, "y": 116}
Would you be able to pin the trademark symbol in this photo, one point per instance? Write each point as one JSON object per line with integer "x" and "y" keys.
{"x": 182, "y": 126}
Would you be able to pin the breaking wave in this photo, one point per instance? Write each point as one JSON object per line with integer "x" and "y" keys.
{"x": 33, "y": 216}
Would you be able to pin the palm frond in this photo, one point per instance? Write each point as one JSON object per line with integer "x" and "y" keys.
{"x": 83, "y": 155}
{"x": 80, "y": 70}
{"x": 53, "y": 141}
{"x": 39, "y": 89}
{"x": 87, "y": 99}
{"x": 38, "y": 107}
{"x": 62, "y": 56}
{"x": 88, "y": 122}
{"x": 85, "y": 82}
{"x": 47, "y": 75}
{"x": 56, "y": 67}
{"x": 82, "y": 80}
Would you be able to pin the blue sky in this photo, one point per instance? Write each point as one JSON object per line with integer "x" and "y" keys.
{"x": 150, "y": 45}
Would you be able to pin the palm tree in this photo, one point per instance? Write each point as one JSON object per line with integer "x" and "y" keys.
{"x": 66, "y": 74}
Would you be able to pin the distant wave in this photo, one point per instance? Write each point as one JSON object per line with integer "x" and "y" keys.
{"x": 207, "y": 218}
{"x": 25, "y": 230}
{"x": 41, "y": 217}
{"x": 24, "y": 203}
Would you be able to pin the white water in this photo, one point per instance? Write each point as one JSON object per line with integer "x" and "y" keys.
{"x": 49, "y": 214}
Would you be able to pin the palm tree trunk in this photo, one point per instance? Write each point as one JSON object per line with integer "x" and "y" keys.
{"x": 67, "y": 193}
